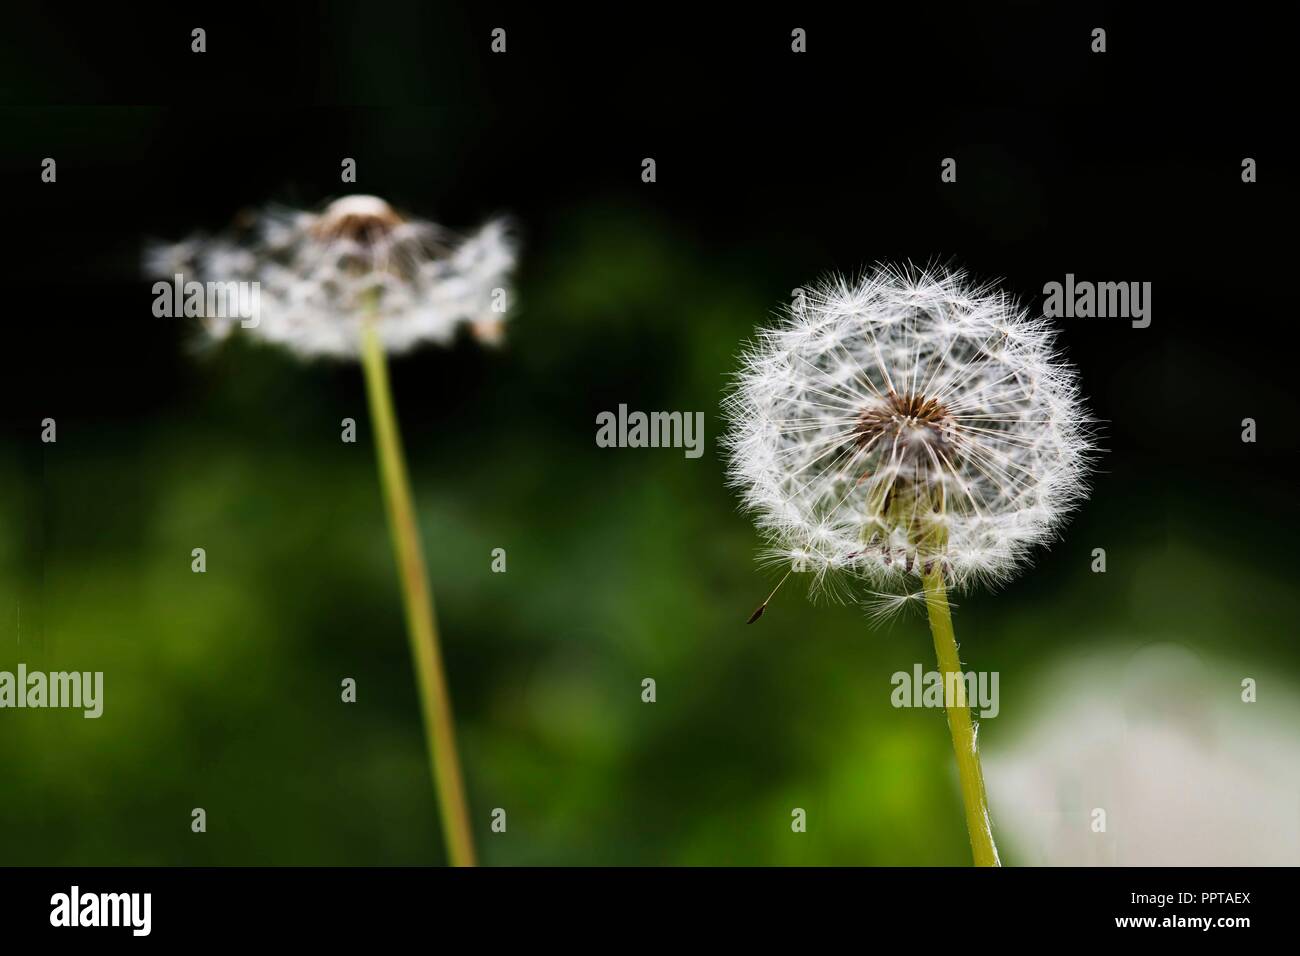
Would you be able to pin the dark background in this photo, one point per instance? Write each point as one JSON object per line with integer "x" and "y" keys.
{"x": 773, "y": 168}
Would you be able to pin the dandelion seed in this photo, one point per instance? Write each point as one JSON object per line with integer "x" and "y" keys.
{"x": 883, "y": 606}
{"x": 902, "y": 434}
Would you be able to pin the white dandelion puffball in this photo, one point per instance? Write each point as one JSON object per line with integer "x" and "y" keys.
{"x": 320, "y": 275}
{"x": 904, "y": 422}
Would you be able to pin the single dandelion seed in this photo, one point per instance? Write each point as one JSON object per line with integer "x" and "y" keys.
{"x": 357, "y": 281}
{"x": 882, "y": 607}
{"x": 758, "y": 611}
{"x": 903, "y": 434}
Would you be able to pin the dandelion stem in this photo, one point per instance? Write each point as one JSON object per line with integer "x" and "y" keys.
{"x": 435, "y": 700}
{"x": 964, "y": 745}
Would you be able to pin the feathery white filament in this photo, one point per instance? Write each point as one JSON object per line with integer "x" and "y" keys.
{"x": 903, "y": 421}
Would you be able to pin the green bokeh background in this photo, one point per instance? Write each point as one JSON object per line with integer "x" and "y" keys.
{"x": 223, "y": 689}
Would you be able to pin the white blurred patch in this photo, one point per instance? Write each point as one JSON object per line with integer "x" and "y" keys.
{"x": 1160, "y": 741}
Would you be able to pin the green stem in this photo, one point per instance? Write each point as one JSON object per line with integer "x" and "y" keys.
{"x": 435, "y": 700}
{"x": 959, "y": 721}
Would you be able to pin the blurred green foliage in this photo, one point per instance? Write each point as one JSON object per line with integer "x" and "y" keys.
{"x": 223, "y": 689}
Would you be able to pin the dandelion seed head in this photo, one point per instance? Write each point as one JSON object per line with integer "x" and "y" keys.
{"x": 904, "y": 421}
{"x": 320, "y": 275}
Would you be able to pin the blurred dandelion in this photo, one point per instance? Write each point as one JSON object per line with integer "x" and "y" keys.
{"x": 324, "y": 277}
{"x": 358, "y": 281}
{"x": 904, "y": 434}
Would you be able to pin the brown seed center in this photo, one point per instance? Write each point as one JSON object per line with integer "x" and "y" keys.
{"x": 914, "y": 429}
{"x": 363, "y": 219}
